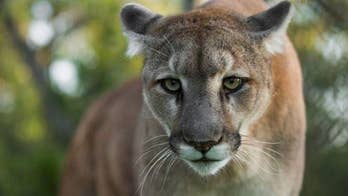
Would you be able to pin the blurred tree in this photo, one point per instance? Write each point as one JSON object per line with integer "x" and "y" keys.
{"x": 56, "y": 58}
{"x": 57, "y": 120}
{"x": 319, "y": 32}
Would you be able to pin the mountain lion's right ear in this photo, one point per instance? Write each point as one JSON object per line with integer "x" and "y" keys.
{"x": 136, "y": 19}
{"x": 271, "y": 25}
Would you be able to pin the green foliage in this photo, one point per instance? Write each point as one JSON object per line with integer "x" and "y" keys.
{"x": 30, "y": 169}
{"x": 88, "y": 35}
{"x": 328, "y": 175}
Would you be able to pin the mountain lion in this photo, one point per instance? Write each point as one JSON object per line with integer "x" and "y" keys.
{"x": 218, "y": 111}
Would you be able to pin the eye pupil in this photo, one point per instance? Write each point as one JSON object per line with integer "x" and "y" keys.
{"x": 232, "y": 84}
{"x": 173, "y": 82}
{"x": 171, "y": 85}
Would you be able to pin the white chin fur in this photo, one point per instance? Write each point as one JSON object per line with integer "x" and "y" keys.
{"x": 219, "y": 152}
{"x": 207, "y": 169}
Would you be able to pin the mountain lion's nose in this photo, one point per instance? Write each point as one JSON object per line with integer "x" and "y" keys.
{"x": 203, "y": 147}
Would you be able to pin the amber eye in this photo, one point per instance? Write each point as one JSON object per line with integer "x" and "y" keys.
{"x": 171, "y": 85}
{"x": 232, "y": 84}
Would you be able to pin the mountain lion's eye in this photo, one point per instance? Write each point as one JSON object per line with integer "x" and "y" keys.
{"x": 232, "y": 84}
{"x": 171, "y": 85}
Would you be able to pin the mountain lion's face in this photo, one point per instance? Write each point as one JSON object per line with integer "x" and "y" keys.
{"x": 206, "y": 80}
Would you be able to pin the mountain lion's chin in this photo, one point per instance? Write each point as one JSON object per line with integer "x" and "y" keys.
{"x": 208, "y": 168}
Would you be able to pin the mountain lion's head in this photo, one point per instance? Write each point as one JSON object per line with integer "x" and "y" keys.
{"x": 207, "y": 76}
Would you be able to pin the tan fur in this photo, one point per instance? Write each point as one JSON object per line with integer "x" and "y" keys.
{"x": 109, "y": 138}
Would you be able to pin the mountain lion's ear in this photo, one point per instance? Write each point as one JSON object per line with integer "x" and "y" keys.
{"x": 271, "y": 26}
{"x": 136, "y": 19}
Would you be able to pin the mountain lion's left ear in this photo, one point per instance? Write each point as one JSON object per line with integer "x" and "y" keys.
{"x": 271, "y": 25}
{"x": 136, "y": 19}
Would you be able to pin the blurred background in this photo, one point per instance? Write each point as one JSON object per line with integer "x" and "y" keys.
{"x": 57, "y": 56}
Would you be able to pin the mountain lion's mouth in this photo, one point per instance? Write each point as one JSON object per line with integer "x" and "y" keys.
{"x": 207, "y": 167}
{"x": 205, "y": 160}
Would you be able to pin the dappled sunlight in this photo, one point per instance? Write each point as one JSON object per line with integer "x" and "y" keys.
{"x": 7, "y": 102}
{"x": 63, "y": 74}
{"x": 40, "y": 33}
{"x": 41, "y": 10}
{"x": 333, "y": 46}
{"x": 41, "y": 30}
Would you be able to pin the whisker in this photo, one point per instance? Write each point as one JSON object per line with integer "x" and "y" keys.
{"x": 150, "y": 149}
{"x": 150, "y": 166}
{"x": 157, "y": 170}
{"x": 171, "y": 163}
{"x": 149, "y": 163}
{"x": 169, "y": 43}
{"x": 153, "y": 166}
{"x": 265, "y": 153}
{"x": 245, "y": 137}
{"x": 261, "y": 142}
{"x": 157, "y": 51}
{"x": 244, "y": 156}
{"x": 155, "y": 138}
{"x": 236, "y": 160}
{"x": 253, "y": 159}
{"x": 264, "y": 147}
